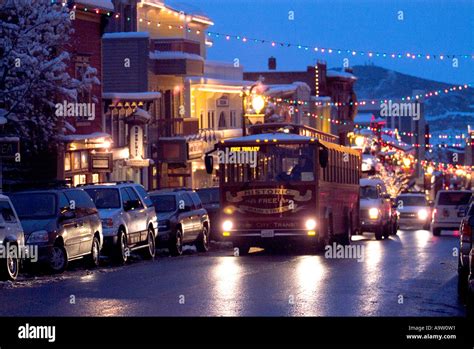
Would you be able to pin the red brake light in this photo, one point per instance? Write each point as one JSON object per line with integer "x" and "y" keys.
{"x": 466, "y": 230}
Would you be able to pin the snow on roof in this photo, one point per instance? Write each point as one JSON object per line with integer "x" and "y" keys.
{"x": 212, "y": 81}
{"x": 142, "y": 113}
{"x": 76, "y": 137}
{"x": 273, "y": 90}
{"x": 126, "y": 35}
{"x": 159, "y": 55}
{"x": 364, "y": 118}
{"x": 101, "y": 4}
{"x": 395, "y": 142}
{"x": 131, "y": 95}
{"x": 186, "y": 8}
{"x": 269, "y": 136}
{"x": 3, "y": 120}
{"x": 339, "y": 74}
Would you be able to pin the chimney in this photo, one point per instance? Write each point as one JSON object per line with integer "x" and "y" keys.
{"x": 272, "y": 63}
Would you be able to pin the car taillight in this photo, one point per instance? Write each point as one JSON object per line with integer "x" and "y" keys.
{"x": 466, "y": 231}
{"x": 434, "y": 213}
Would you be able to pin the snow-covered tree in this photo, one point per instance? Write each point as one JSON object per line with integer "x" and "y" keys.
{"x": 34, "y": 60}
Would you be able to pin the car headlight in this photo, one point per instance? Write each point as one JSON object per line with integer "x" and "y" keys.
{"x": 374, "y": 213}
{"x": 227, "y": 225}
{"x": 107, "y": 222}
{"x": 422, "y": 214}
{"x": 310, "y": 224}
{"x": 38, "y": 236}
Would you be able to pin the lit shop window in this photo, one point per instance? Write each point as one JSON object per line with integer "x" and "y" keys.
{"x": 67, "y": 162}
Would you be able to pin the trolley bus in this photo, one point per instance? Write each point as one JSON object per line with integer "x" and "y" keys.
{"x": 280, "y": 187}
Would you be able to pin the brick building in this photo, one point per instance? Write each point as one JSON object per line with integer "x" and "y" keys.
{"x": 338, "y": 86}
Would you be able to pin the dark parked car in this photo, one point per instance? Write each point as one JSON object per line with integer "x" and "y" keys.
{"x": 470, "y": 295}
{"x": 210, "y": 201}
{"x": 182, "y": 219}
{"x": 63, "y": 223}
{"x": 465, "y": 239}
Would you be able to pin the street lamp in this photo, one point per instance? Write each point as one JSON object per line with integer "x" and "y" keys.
{"x": 258, "y": 103}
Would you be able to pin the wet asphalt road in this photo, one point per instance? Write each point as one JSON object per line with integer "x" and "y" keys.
{"x": 411, "y": 274}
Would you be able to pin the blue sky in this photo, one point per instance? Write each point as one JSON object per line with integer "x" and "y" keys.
{"x": 429, "y": 26}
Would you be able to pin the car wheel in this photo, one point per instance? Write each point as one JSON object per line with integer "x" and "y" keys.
{"x": 58, "y": 259}
{"x": 379, "y": 233}
{"x": 149, "y": 252}
{"x": 202, "y": 243}
{"x": 242, "y": 250}
{"x": 387, "y": 231}
{"x": 93, "y": 259}
{"x": 470, "y": 304}
{"x": 436, "y": 232}
{"x": 463, "y": 275}
{"x": 10, "y": 267}
{"x": 176, "y": 246}
{"x": 122, "y": 251}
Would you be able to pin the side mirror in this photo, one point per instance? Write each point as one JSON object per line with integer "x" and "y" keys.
{"x": 68, "y": 214}
{"x": 209, "y": 162}
{"x": 323, "y": 157}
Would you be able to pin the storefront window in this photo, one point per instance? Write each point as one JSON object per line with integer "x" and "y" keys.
{"x": 95, "y": 178}
{"x": 67, "y": 162}
{"x": 76, "y": 161}
{"x": 79, "y": 179}
{"x": 84, "y": 160}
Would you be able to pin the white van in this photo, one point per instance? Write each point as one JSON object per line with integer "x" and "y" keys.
{"x": 449, "y": 209}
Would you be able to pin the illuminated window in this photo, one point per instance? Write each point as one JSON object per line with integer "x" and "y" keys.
{"x": 67, "y": 162}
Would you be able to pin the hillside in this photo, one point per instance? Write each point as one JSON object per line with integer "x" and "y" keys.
{"x": 448, "y": 113}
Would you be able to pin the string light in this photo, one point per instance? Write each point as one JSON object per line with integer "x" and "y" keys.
{"x": 371, "y": 53}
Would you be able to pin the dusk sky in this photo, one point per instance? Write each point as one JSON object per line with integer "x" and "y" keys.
{"x": 428, "y": 27}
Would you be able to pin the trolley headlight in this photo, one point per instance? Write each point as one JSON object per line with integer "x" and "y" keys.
{"x": 374, "y": 213}
{"x": 227, "y": 225}
{"x": 422, "y": 214}
{"x": 310, "y": 224}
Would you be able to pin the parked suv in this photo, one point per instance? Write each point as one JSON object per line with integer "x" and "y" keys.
{"x": 128, "y": 219}
{"x": 375, "y": 208}
{"x": 63, "y": 223}
{"x": 413, "y": 210}
{"x": 182, "y": 219}
{"x": 12, "y": 240}
{"x": 210, "y": 201}
{"x": 465, "y": 243}
{"x": 449, "y": 209}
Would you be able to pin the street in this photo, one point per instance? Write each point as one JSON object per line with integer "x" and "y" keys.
{"x": 411, "y": 274}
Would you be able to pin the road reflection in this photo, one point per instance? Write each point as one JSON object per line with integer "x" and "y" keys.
{"x": 226, "y": 291}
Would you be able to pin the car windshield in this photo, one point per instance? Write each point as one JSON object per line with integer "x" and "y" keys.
{"x": 368, "y": 192}
{"x": 104, "y": 197}
{"x": 411, "y": 201}
{"x": 454, "y": 198}
{"x": 209, "y": 196}
{"x": 164, "y": 203}
{"x": 34, "y": 205}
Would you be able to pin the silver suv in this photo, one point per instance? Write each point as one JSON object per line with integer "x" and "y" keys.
{"x": 128, "y": 218}
{"x": 12, "y": 240}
